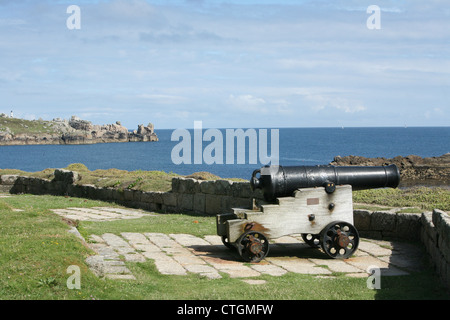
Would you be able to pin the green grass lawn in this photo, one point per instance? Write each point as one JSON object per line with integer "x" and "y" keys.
{"x": 36, "y": 250}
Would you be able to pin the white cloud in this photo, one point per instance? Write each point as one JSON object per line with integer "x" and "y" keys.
{"x": 434, "y": 113}
{"x": 247, "y": 103}
{"x": 283, "y": 107}
{"x": 318, "y": 102}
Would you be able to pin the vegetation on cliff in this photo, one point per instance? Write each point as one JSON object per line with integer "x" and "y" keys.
{"x": 16, "y": 126}
{"x": 15, "y": 131}
{"x": 115, "y": 178}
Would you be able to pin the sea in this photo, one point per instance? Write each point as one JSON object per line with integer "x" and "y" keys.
{"x": 296, "y": 146}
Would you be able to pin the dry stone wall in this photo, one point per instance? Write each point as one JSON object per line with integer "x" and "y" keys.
{"x": 435, "y": 235}
{"x": 387, "y": 224}
{"x": 187, "y": 195}
{"x": 220, "y": 196}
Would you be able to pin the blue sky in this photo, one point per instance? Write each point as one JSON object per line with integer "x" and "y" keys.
{"x": 230, "y": 64}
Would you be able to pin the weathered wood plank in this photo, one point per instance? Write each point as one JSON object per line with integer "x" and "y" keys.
{"x": 221, "y": 225}
{"x": 308, "y": 211}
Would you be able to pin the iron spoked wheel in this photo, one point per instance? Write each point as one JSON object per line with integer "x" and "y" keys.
{"x": 313, "y": 240}
{"x": 253, "y": 246}
{"x": 227, "y": 243}
{"x": 339, "y": 239}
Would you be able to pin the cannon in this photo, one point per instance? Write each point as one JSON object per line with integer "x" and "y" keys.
{"x": 314, "y": 201}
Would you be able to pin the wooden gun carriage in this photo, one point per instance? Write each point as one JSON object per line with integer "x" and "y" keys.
{"x": 314, "y": 201}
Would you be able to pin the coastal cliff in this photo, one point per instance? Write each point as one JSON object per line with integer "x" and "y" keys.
{"x": 74, "y": 131}
{"x": 411, "y": 167}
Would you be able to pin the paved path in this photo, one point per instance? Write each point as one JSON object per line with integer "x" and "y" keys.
{"x": 182, "y": 254}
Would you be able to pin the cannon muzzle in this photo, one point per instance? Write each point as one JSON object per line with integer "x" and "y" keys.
{"x": 279, "y": 181}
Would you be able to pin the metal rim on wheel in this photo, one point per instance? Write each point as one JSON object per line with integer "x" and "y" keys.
{"x": 313, "y": 240}
{"x": 253, "y": 246}
{"x": 339, "y": 239}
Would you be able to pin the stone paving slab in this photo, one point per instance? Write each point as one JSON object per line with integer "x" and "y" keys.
{"x": 374, "y": 249}
{"x": 107, "y": 264}
{"x": 182, "y": 254}
{"x": 412, "y": 263}
{"x": 270, "y": 269}
{"x": 100, "y": 213}
{"x": 336, "y": 265}
{"x": 214, "y": 240}
{"x": 303, "y": 266}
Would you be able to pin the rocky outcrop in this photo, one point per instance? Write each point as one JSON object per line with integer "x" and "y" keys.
{"x": 143, "y": 133}
{"x": 76, "y": 131}
{"x": 411, "y": 167}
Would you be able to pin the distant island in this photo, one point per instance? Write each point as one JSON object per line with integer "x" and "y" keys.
{"x": 14, "y": 131}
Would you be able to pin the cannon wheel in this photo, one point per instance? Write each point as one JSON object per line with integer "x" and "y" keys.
{"x": 339, "y": 239}
{"x": 227, "y": 243}
{"x": 252, "y": 246}
{"x": 313, "y": 240}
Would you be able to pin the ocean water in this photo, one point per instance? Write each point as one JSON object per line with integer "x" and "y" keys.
{"x": 297, "y": 146}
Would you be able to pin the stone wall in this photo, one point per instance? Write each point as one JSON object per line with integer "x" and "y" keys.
{"x": 187, "y": 195}
{"x": 387, "y": 224}
{"x": 435, "y": 235}
{"x": 213, "y": 196}
{"x": 219, "y": 196}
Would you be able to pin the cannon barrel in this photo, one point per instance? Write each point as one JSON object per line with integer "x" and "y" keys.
{"x": 279, "y": 181}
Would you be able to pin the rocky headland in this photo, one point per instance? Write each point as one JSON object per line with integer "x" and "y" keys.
{"x": 412, "y": 167}
{"x": 74, "y": 131}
